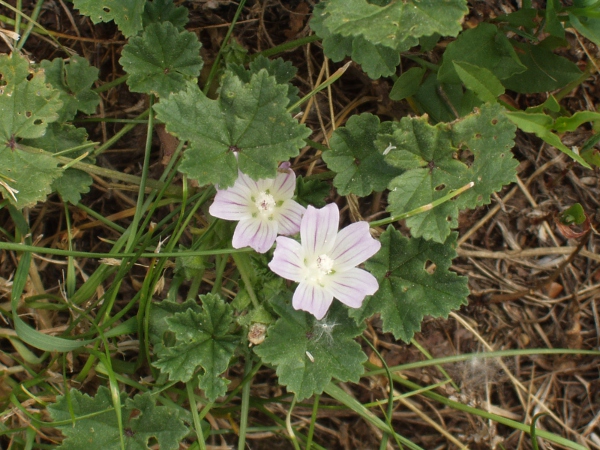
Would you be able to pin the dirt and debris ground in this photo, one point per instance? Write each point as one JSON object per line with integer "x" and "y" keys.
{"x": 530, "y": 286}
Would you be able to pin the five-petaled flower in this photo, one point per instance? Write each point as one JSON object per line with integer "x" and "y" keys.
{"x": 325, "y": 262}
{"x": 264, "y": 209}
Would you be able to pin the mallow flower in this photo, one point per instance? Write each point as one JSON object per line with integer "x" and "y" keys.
{"x": 264, "y": 209}
{"x": 324, "y": 263}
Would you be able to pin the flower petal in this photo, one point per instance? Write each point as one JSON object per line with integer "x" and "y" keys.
{"x": 352, "y": 286}
{"x": 318, "y": 229}
{"x": 232, "y": 204}
{"x": 284, "y": 185}
{"x": 353, "y": 245}
{"x": 312, "y": 298}
{"x": 288, "y": 260}
{"x": 289, "y": 216}
{"x": 247, "y": 182}
{"x": 256, "y": 233}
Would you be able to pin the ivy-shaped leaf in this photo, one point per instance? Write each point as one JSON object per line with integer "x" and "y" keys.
{"x": 26, "y": 108}
{"x": 376, "y": 60}
{"x": 158, "y": 11}
{"x": 127, "y": 14}
{"x": 73, "y": 79}
{"x": 96, "y": 426}
{"x": 283, "y": 71}
{"x": 247, "y": 118}
{"x": 309, "y": 353}
{"x": 161, "y": 60}
{"x": 442, "y": 158}
{"x": 203, "y": 340}
{"x": 59, "y": 137}
{"x": 397, "y": 25}
{"x": 359, "y": 165}
{"x": 312, "y": 192}
{"x": 161, "y": 311}
{"x": 414, "y": 281}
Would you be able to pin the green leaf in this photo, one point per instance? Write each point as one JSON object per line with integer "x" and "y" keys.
{"x": 73, "y": 79}
{"x": 283, "y": 71}
{"x": 398, "y": 25}
{"x": 407, "y": 84}
{"x": 483, "y": 46}
{"x": 359, "y": 164}
{"x": 587, "y": 26}
{"x": 248, "y": 118}
{"x": 158, "y": 11}
{"x": 308, "y": 353}
{"x": 414, "y": 282}
{"x": 444, "y": 102}
{"x": 162, "y": 60}
{"x": 564, "y": 124}
{"x": 442, "y": 158}
{"x": 59, "y": 137}
{"x": 546, "y": 71}
{"x": 553, "y": 25}
{"x": 312, "y": 192}
{"x": 127, "y": 14}
{"x": 540, "y": 125}
{"x": 26, "y": 108}
{"x": 479, "y": 80}
{"x": 161, "y": 311}
{"x": 203, "y": 340}
{"x": 96, "y": 426}
{"x": 573, "y": 215}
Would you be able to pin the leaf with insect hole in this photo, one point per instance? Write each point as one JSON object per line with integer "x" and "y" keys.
{"x": 414, "y": 282}
{"x": 442, "y": 158}
{"x": 127, "y": 14}
{"x": 96, "y": 426}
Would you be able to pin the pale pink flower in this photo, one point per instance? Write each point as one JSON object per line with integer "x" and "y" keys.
{"x": 264, "y": 209}
{"x": 325, "y": 262}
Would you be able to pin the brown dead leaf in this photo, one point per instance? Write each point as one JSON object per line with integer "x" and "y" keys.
{"x": 168, "y": 144}
{"x": 297, "y": 19}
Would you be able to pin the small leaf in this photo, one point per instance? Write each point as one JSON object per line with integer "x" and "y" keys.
{"x": 540, "y": 125}
{"x": 546, "y": 71}
{"x": 359, "y": 165}
{"x": 158, "y": 11}
{"x": 203, "y": 340}
{"x": 442, "y": 158}
{"x": 563, "y": 124}
{"x": 161, "y": 60}
{"x": 414, "y": 282}
{"x": 127, "y": 14}
{"x": 312, "y": 192}
{"x": 480, "y": 80}
{"x": 73, "y": 79}
{"x": 483, "y": 46}
{"x": 160, "y": 312}
{"x": 96, "y": 426}
{"x": 587, "y": 26}
{"x": 309, "y": 353}
{"x": 573, "y": 215}
{"x": 407, "y": 84}
{"x": 247, "y": 118}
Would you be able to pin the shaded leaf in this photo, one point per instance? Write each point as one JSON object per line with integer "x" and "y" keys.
{"x": 414, "y": 282}
{"x": 308, "y": 353}
{"x": 479, "y": 80}
{"x": 96, "y": 426}
{"x": 407, "y": 84}
{"x": 312, "y": 192}
{"x": 157, "y": 11}
{"x": 359, "y": 164}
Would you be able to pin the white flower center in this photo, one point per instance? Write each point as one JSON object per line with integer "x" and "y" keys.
{"x": 265, "y": 203}
{"x": 320, "y": 268}
{"x": 324, "y": 264}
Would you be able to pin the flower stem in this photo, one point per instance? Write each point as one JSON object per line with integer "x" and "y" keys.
{"x": 243, "y": 264}
{"x": 423, "y": 208}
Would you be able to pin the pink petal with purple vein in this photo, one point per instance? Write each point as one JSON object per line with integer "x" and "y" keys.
{"x": 353, "y": 245}
{"x": 313, "y": 299}
{"x": 284, "y": 185}
{"x": 255, "y": 233}
{"x": 289, "y": 216}
{"x": 232, "y": 204}
{"x": 351, "y": 287}
{"x": 288, "y": 260}
{"x": 319, "y": 229}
